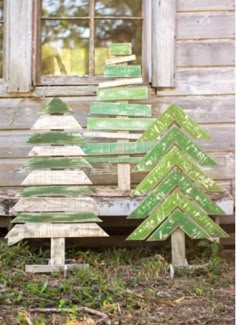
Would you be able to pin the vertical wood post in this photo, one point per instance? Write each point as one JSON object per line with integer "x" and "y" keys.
{"x": 18, "y": 45}
{"x": 57, "y": 251}
{"x": 178, "y": 248}
{"x": 163, "y": 43}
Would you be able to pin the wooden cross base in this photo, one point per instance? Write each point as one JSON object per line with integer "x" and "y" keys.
{"x": 178, "y": 248}
{"x": 57, "y": 261}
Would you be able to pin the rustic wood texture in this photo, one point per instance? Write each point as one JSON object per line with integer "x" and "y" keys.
{"x": 57, "y": 163}
{"x": 120, "y": 49}
{"x": 192, "y": 5}
{"x": 121, "y": 59}
{"x": 56, "y": 217}
{"x": 178, "y": 256}
{"x": 56, "y": 137}
{"x": 176, "y": 158}
{"x": 18, "y": 45}
{"x": 57, "y": 251}
{"x": 56, "y": 177}
{"x": 163, "y": 40}
{"x": 48, "y": 151}
{"x": 48, "y": 122}
{"x": 122, "y": 71}
{"x": 122, "y": 93}
{"x": 205, "y": 25}
{"x": 56, "y": 106}
{"x": 20, "y": 232}
{"x": 174, "y": 114}
{"x": 54, "y": 268}
{"x": 120, "y": 82}
{"x": 123, "y": 124}
{"x": 121, "y": 109}
{"x": 41, "y": 204}
{"x": 56, "y": 191}
{"x": 174, "y": 137}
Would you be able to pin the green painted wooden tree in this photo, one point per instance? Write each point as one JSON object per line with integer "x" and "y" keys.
{"x": 176, "y": 186}
{"x": 56, "y": 199}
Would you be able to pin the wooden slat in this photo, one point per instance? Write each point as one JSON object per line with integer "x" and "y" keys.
{"x": 18, "y": 45}
{"x": 205, "y": 53}
{"x": 57, "y": 251}
{"x": 48, "y": 122}
{"x": 114, "y": 160}
{"x": 54, "y": 268}
{"x": 122, "y": 93}
{"x": 48, "y": 151}
{"x": 205, "y": 25}
{"x": 56, "y": 106}
{"x": 192, "y": 5}
{"x": 120, "y": 82}
{"x": 56, "y": 137}
{"x": 57, "y": 163}
{"x": 127, "y": 124}
{"x": 120, "y": 49}
{"x": 41, "y": 204}
{"x": 163, "y": 38}
{"x": 178, "y": 255}
{"x": 122, "y": 71}
{"x": 121, "y": 59}
{"x": 56, "y": 191}
{"x": 21, "y": 113}
{"x": 56, "y": 217}
{"x": 121, "y": 109}
{"x": 54, "y": 177}
{"x": 113, "y": 148}
{"x": 20, "y": 232}
{"x": 202, "y": 81}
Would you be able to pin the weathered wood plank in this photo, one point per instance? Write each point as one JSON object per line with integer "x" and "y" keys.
{"x": 176, "y": 158}
{"x": 18, "y": 29}
{"x": 205, "y": 53}
{"x": 120, "y": 82}
{"x": 42, "y": 204}
{"x": 56, "y": 106}
{"x": 192, "y": 5}
{"x": 202, "y": 81}
{"x": 56, "y": 177}
{"x": 57, "y": 163}
{"x": 117, "y": 148}
{"x": 163, "y": 40}
{"x": 122, "y": 71}
{"x": 56, "y": 191}
{"x": 114, "y": 160}
{"x": 121, "y": 109}
{"x": 54, "y": 268}
{"x": 48, "y": 151}
{"x": 56, "y": 217}
{"x": 56, "y": 138}
{"x": 174, "y": 114}
{"x": 126, "y": 124}
{"x": 205, "y": 25}
{"x": 121, "y": 59}
{"x": 120, "y": 49}
{"x": 178, "y": 255}
{"x": 49, "y": 122}
{"x": 21, "y": 113}
{"x": 174, "y": 136}
{"x": 57, "y": 251}
{"x": 20, "y": 232}
{"x": 122, "y": 93}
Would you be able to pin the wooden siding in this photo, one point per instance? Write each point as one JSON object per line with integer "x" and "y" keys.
{"x": 204, "y": 80}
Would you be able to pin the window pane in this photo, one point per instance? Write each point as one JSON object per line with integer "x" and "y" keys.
{"x": 1, "y": 49}
{"x": 65, "y": 47}
{"x": 118, "y": 8}
{"x": 1, "y": 9}
{"x": 65, "y": 8}
{"x": 108, "y": 31}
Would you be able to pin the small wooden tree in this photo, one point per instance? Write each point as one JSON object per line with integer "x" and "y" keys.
{"x": 56, "y": 202}
{"x": 177, "y": 202}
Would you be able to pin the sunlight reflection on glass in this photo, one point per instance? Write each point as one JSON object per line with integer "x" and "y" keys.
{"x": 118, "y": 8}
{"x": 65, "y": 8}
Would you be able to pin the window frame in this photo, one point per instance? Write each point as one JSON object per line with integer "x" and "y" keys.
{"x": 65, "y": 80}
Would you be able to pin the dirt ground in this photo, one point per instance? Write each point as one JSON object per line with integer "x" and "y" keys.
{"x": 121, "y": 286}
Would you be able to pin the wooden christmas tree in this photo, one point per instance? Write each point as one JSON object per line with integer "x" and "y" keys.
{"x": 177, "y": 187}
{"x": 55, "y": 202}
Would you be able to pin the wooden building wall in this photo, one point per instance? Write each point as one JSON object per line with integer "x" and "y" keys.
{"x": 204, "y": 88}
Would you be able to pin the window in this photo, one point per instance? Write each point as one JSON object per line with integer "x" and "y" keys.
{"x": 75, "y": 34}
{"x": 1, "y": 38}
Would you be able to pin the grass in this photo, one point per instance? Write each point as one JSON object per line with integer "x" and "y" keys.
{"x": 127, "y": 285}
